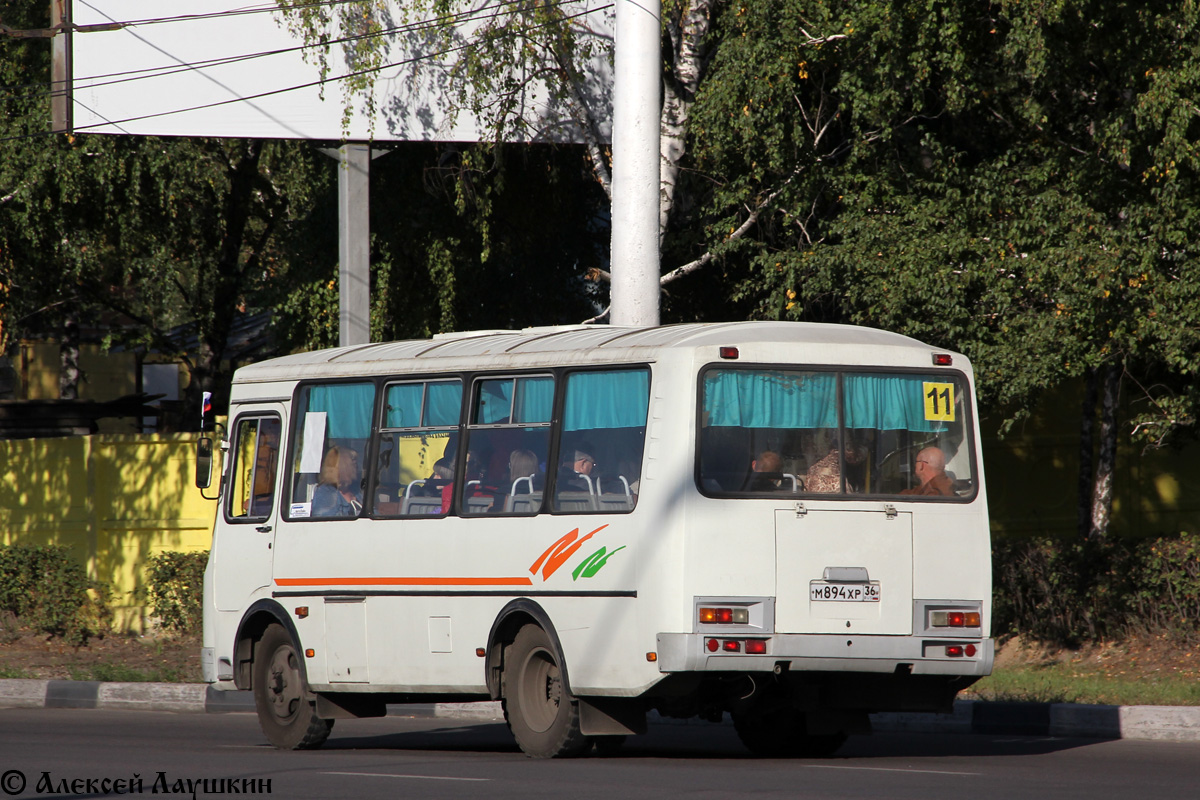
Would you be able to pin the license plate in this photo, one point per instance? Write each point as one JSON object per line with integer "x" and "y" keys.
{"x": 829, "y": 591}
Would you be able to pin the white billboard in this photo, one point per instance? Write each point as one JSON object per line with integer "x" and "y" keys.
{"x": 229, "y": 69}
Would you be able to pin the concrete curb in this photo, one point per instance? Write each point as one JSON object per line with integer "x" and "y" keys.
{"x": 1167, "y": 723}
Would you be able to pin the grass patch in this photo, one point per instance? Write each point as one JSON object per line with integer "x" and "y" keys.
{"x": 1067, "y": 683}
{"x": 119, "y": 673}
{"x": 14, "y": 672}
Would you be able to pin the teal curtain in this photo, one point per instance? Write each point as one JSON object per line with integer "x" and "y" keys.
{"x": 403, "y": 406}
{"x": 495, "y": 402}
{"x": 891, "y": 402}
{"x": 535, "y": 399}
{"x": 611, "y": 399}
{"x": 347, "y": 406}
{"x": 775, "y": 399}
{"x": 443, "y": 404}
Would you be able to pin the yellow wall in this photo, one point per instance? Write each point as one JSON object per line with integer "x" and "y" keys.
{"x": 113, "y": 500}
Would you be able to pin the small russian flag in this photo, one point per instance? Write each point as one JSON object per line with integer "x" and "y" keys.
{"x": 205, "y": 407}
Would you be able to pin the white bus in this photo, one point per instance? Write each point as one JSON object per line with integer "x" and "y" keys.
{"x": 785, "y": 522}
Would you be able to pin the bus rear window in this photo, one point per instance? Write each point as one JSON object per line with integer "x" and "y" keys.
{"x": 826, "y": 433}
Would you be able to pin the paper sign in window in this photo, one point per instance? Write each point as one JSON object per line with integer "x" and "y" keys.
{"x": 314, "y": 442}
{"x": 939, "y": 401}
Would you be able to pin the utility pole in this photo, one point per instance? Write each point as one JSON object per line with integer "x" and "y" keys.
{"x": 61, "y": 116}
{"x": 635, "y": 176}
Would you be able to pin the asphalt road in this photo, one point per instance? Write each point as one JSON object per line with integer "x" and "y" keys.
{"x": 402, "y": 757}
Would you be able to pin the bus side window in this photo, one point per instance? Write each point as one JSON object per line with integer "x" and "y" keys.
{"x": 418, "y": 436}
{"x": 603, "y": 436}
{"x": 507, "y": 445}
{"x": 334, "y": 424}
{"x": 256, "y": 457}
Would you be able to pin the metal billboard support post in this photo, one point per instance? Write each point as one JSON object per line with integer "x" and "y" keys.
{"x": 635, "y": 174}
{"x": 354, "y": 244}
{"x": 61, "y": 102}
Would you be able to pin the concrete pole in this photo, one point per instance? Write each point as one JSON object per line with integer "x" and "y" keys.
{"x": 637, "y": 84}
{"x": 354, "y": 244}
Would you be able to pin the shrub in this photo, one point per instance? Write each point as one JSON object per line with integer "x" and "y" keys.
{"x": 1166, "y": 587}
{"x": 175, "y": 586}
{"x": 1067, "y": 593}
{"x": 46, "y": 589}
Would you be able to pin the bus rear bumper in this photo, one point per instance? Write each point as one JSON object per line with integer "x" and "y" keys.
{"x": 916, "y": 655}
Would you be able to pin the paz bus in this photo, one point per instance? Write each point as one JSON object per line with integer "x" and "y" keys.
{"x": 593, "y": 523}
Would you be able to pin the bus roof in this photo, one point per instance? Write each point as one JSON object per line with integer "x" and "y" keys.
{"x": 572, "y": 344}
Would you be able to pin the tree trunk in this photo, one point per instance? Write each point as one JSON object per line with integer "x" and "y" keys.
{"x": 68, "y": 356}
{"x": 688, "y": 46}
{"x": 1102, "y": 491}
{"x": 1087, "y": 444}
{"x": 236, "y": 255}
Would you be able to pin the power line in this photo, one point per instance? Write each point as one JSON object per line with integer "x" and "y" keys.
{"x": 311, "y": 84}
{"x": 474, "y": 15}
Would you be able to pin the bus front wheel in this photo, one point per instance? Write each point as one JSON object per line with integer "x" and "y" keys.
{"x": 286, "y": 712}
{"x": 541, "y": 713}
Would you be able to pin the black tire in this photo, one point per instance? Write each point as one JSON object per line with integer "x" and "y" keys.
{"x": 780, "y": 733}
{"x": 540, "y": 711}
{"x": 286, "y": 711}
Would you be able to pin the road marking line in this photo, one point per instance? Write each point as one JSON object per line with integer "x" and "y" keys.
{"x": 892, "y": 769}
{"x": 415, "y": 777}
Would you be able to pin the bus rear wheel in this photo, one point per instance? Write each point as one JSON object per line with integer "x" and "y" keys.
{"x": 286, "y": 712}
{"x": 781, "y": 733}
{"x": 541, "y": 713}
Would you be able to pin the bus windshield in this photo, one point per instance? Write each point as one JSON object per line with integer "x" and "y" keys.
{"x": 820, "y": 432}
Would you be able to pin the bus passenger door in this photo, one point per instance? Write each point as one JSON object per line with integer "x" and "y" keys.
{"x": 249, "y": 508}
{"x": 844, "y": 571}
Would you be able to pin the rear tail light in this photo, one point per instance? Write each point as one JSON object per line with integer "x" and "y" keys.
{"x": 753, "y": 647}
{"x": 954, "y": 619}
{"x": 737, "y": 615}
{"x": 954, "y": 650}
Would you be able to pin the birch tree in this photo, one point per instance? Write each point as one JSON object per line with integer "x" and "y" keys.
{"x": 513, "y": 47}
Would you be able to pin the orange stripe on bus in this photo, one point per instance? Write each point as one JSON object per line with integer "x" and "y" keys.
{"x": 403, "y": 582}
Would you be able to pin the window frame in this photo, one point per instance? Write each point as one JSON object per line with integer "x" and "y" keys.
{"x": 560, "y": 401}
{"x": 365, "y": 458}
{"x": 840, "y": 371}
{"x": 468, "y": 428}
{"x": 231, "y": 474}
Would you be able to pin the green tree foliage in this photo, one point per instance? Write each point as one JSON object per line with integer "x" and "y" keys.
{"x": 464, "y": 237}
{"x": 137, "y": 235}
{"x": 1015, "y": 180}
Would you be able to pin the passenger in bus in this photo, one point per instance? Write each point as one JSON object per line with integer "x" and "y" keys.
{"x": 575, "y": 473}
{"x": 476, "y": 485}
{"x": 338, "y": 492}
{"x": 443, "y": 470}
{"x": 522, "y": 464}
{"x": 825, "y": 476}
{"x": 930, "y": 469}
{"x": 766, "y": 472}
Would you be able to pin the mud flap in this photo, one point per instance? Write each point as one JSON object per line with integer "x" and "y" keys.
{"x": 611, "y": 716}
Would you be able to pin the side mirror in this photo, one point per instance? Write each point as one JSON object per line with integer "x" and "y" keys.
{"x": 204, "y": 462}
